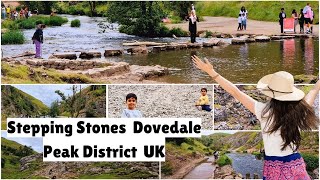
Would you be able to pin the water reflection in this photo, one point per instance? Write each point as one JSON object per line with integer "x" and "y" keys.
{"x": 34, "y": 142}
{"x": 288, "y": 50}
{"x": 309, "y": 56}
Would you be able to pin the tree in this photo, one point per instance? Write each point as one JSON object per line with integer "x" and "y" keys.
{"x": 43, "y": 7}
{"x": 54, "y": 109}
{"x": 73, "y": 104}
{"x": 140, "y": 18}
{"x": 93, "y": 8}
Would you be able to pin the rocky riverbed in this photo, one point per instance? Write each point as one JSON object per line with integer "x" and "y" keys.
{"x": 163, "y": 101}
{"x": 230, "y": 114}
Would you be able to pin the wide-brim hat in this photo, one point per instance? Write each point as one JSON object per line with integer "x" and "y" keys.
{"x": 280, "y": 86}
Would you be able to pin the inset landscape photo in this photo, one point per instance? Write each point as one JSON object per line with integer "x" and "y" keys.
{"x": 21, "y": 158}
{"x": 94, "y": 42}
{"x": 230, "y": 114}
{"x": 228, "y": 155}
{"x": 52, "y": 101}
{"x": 162, "y": 101}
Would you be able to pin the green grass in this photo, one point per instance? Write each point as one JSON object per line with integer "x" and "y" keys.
{"x": 31, "y": 22}
{"x": 311, "y": 160}
{"x": 20, "y": 74}
{"x": 12, "y": 37}
{"x": 262, "y": 10}
{"x": 75, "y": 23}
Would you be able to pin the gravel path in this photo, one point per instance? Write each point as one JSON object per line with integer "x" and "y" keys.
{"x": 229, "y": 25}
{"x": 164, "y": 101}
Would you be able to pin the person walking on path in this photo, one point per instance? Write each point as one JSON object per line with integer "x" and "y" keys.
{"x": 3, "y": 12}
{"x": 287, "y": 112}
{"x": 282, "y": 15}
{"x": 307, "y": 17}
{"x": 301, "y": 21}
{"x": 193, "y": 26}
{"x": 294, "y": 15}
{"x": 37, "y": 39}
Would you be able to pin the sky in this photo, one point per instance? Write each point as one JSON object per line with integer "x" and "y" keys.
{"x": 35, "y": 142}
{"x": 45, "y": 93}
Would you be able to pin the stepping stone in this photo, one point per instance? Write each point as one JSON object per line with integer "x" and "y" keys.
{"x": 89, "y": 55}
{"x": 112, "y": 52}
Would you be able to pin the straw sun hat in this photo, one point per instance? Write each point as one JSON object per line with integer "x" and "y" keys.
{"x": 280, "y": 86}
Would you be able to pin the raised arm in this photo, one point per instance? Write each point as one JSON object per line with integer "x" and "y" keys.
{"x": 246, "y": 100}
{"x": 311, "y": 96}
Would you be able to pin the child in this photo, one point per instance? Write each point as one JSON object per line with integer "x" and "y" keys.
{"x": 203, "y": 102}
{"x": 131, "y": 112}
{"x": 37, "y": 39}
{"x": 244, "y": 22}
{"x": 239, "y": 22}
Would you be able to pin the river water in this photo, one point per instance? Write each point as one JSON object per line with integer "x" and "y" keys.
{"x": 246, "y": 163}
{"x": 238, "y": 63}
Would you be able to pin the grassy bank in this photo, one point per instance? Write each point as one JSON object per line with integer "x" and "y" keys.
{"x": 262, "y": 11}
{"x": 80, "y": 8}
{"x": 12, "y": 37}
{"x": 30, "y": 23}
{"x": 20, "y": 74}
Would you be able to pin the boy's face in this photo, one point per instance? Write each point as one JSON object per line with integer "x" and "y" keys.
{"x": 203, "y": 92}
{"x": 131, "y": 103}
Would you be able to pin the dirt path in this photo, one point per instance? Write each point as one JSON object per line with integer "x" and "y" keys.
{"x": 229, "y": 25}
{"x": 186, "y": 169}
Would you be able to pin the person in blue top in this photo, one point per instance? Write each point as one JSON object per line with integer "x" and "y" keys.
{"x": 130, "y": 111}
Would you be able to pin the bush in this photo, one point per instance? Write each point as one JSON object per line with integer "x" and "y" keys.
{"x": 27, "y": 24}
{"x": 56, "y": 21}
{"x": 75, "y": 23}
{"x": 9, "y": 24}
{"x": 208, "y": 34}
{"x": 166, "y": 168}
{"x": 224, "y": 160}
{"x": 312, "y": 161}
{"x": 178, "y": 32}
{"x": 12, "y": 37}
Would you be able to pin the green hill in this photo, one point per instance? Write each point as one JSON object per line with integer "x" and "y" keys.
{"x": 11, "y": 153}
{"x": 257, "y": 10}
{"x": 16, "y": 103}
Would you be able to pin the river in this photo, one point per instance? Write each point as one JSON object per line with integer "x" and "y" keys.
{"x": 204, "y": 170}
{"x": 246, "y": 163}
{"x": 248, "y": 62}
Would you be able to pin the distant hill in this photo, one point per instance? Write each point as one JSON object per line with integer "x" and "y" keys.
{"x": 16, "y": 103}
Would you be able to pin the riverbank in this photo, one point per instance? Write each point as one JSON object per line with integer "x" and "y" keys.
{"x": 227, "y": 25}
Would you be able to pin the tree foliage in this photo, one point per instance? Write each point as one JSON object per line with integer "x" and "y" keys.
{"x": 43, "y": 7}
{"x": 74, "y": 103}
{"x": 140, "y": 18}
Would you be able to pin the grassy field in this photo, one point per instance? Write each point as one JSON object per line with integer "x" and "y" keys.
{"x": 262, "y": 10}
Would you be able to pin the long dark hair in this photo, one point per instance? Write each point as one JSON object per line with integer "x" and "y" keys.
{"x": 289, "y": 117}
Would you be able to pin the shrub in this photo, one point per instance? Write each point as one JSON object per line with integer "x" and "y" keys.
{"x": 27, "y": 24}
{"x": 224, "y": 160}
{"x": 178, "y": 32}
{"x": 9, "y": 24}
{"x": 56, "y": 21}
{"x": 312, "y": 161}
{"x": 208, "y": 34}
{"x": 190, "y": 148}
{"x": 75, "y": 23}
{"x": 166, "y": 168}
{"x": 12, "y": 37}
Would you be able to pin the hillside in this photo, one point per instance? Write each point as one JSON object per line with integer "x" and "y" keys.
{"x": 252, "y": 142}
{"x": 89, "y": 102}
{"x": 21, "y": 162}
{"x": 16, "y": 103}
{"x": 257, "y": 10}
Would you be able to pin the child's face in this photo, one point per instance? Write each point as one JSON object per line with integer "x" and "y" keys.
{"x": 131, "y": 103}
{"x": 203, "y": 92}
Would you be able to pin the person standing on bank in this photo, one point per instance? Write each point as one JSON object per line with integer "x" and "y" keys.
{"x": 294, "y": 15}
{"x": 37, "y": 39}
{"x": 301, "y": 21}
{"x": 244, "y": 15}
{"x": 287, "y": 112}
{"x": 193, "y": 26}
{"x": 282, "y": 15}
